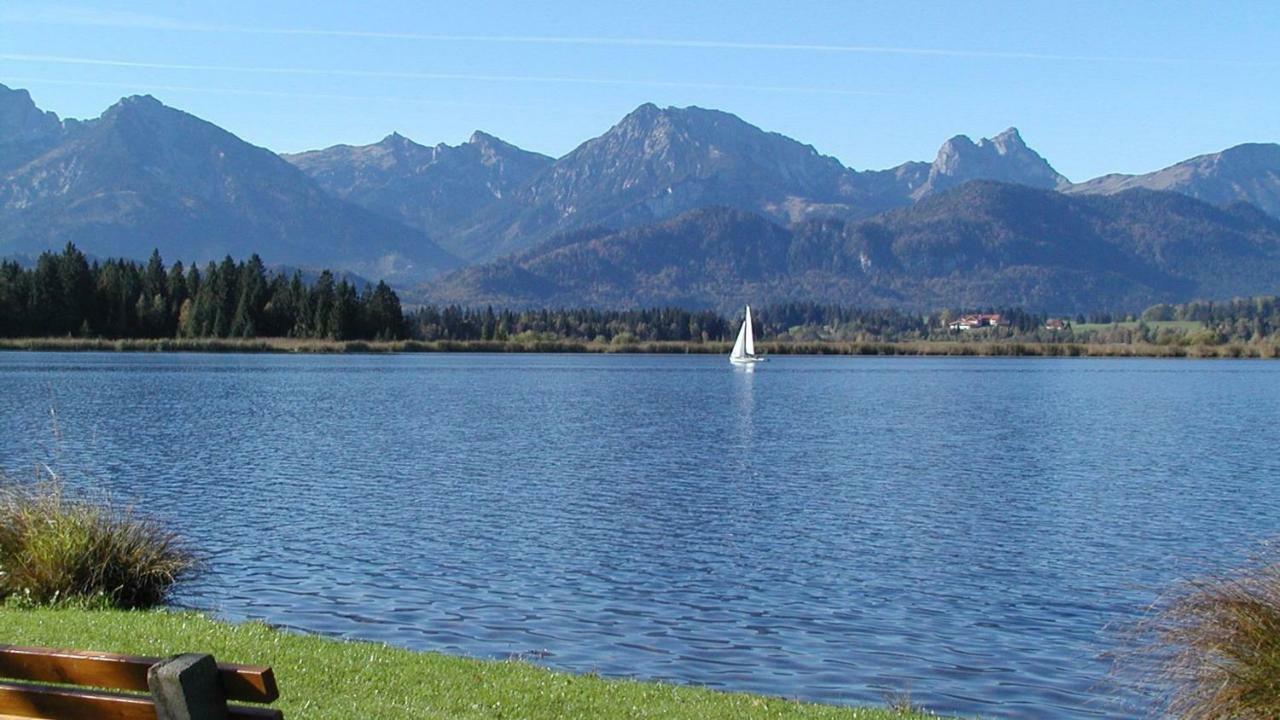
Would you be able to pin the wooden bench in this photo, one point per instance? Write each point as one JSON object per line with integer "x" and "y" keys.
{"x": 185, "y": 687}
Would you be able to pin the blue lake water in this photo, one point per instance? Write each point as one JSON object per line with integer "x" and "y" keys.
{"x": 977, "y": 532}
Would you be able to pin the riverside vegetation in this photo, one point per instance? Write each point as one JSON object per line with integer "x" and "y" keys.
{"x": 66, "y": 302}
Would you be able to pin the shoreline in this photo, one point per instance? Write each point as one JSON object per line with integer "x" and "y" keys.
{"x": 909, "y": 348}
{"x": 330, "y": 678}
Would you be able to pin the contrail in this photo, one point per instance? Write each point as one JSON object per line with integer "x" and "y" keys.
{"x": 701, "y": 44}
{"x": 148, "y": 87}
{"x": 468, "y": 77}
{"x": 89, "y": 17}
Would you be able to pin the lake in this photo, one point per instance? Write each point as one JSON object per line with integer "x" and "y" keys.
{"x": 976, "y": 532}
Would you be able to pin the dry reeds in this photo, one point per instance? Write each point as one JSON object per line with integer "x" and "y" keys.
{"x": 59, "y": 550}
{"x": 1216, "y": 647}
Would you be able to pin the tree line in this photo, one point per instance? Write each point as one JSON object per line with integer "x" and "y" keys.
{"x": 1242, "y": 319}
{"x": 64, "y": 294}
{"x": 787, "y": 321}
{"x": 582, "y": 324}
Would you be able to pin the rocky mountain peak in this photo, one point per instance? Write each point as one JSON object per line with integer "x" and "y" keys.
{"x": 141, "y": 116}
{"x": 496, "y": 150}
{"x": 1009, "y": 141}
{"x": 960, "y": 149}
{"x": 21, "y": 120}
{"x": 136, "y": 103}
{"x": 482, "y": 138}
{"x": 1005, "y": 157}
{"x": 396, "y": 148}
{"x": 952, "y": 153}
{"x": 655, "y": 129}
{"x": 691, "y": 121}
{"x": 645, "y": 113}
{"x": 395, "y": 139}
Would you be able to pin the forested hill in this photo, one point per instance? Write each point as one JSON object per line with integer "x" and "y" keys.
{"x": 983, "y": 243}
{"x": 64, "y": 294}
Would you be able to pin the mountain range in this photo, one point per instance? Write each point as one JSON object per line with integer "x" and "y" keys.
{"x": 144, "y": 176}
{"x": 982, "y": 244}
{"x": 1249, "y": 173}
{"x": 654, "y": 164}
{"x": 668, "y": 205}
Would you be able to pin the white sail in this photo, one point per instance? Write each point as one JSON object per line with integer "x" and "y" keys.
{"x": 744, "y": 348}
{"x": 739, "y": 345}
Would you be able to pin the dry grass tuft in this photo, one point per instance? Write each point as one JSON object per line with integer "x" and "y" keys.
{"x": 1216, "y": 646}
{"x": 56, "y": 550}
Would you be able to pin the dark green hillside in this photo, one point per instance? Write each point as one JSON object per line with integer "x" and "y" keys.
{"x": 982, "y": 244}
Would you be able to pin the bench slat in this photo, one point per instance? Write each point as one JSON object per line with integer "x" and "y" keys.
{"x": 243, "y": 683}
{"x": 34, "y": 701}
{"x": 46, "y": 702}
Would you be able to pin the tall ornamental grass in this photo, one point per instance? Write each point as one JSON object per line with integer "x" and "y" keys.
{"x": 1217, "y": 646}
{"x": 58, "y": 550}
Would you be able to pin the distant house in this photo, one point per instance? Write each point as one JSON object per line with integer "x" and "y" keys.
{"x": 979, "y": 320}
{"x": 1055, "y": 324}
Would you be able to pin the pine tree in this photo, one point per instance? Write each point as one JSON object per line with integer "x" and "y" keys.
{"x": 45, "y": 302}
{"x": 252, "y": 298}
{"x": 322, "y": 301}
{"x": 154, "y": 280}
{"x": 77, "y": 290}
{"x": 178, "y": 295}
{"x": 385, "y": 318}
{"x": 344, "y": 322}
{"x": 300, "y": 306}
{"x": 223, "y": 296}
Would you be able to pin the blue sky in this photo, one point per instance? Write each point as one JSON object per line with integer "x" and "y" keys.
{"x": 1095, "y": 87}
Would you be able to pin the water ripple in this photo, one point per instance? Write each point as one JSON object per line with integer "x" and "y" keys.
{"x": 973, "y": 531}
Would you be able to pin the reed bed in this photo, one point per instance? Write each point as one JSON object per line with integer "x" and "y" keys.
{"x": 932, "y": 348}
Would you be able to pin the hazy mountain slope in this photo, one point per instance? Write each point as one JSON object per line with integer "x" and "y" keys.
{"x": 1249, "y": 173}
{"x": 144, "y": 175}
{"x": 25, "y": 130}
{"x": 438, "y": 189}
{"x": 485, "y": 199}
{"x": 981, "y": 244}
{"x": 703, "y": 187}
{"x": 693, "y": 260}
{"x": 656, "y": 163}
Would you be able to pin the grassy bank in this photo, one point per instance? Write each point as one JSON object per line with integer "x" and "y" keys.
{"x": 960, "y": 348}
{"x": 326, "y": 679}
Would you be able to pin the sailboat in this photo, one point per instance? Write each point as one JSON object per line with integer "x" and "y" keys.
{"x": 744, "y": 348}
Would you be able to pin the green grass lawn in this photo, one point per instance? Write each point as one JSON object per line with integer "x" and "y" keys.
{"x": 322, "y": 678}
